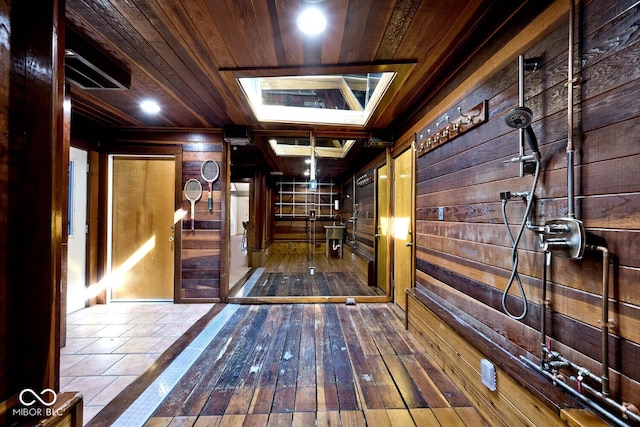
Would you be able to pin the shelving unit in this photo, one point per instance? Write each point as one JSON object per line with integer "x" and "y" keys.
{"x": 295, "y": 199}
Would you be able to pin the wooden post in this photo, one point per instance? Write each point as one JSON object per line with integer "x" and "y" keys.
{"x": 32, "y": 176}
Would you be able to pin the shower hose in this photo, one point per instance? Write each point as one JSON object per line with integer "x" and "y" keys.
{"x": 514, "y": 247}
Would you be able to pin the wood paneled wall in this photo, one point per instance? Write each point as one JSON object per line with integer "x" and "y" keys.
{"x": 347, "y": 206}
{"x": 203, "y": 249}
{"x": 366, "y": 214}
{"x": 291, "y": 233}
{"x": 466, "y": 258}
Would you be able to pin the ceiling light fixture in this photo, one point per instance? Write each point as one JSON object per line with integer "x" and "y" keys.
{"x": 311, "y": 20}
{"x": 150, "y": 107}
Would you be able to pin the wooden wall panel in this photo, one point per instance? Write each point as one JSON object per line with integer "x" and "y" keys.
{"x": 203, "y": 248}
{"x": 290, "y": 233}
{"x": 366, "y": 218}
{"x": 509, "y": 405}
{"x": 347, "y": 207}
{"x": 290, "y": 229}
{"x": 469, "y": 252}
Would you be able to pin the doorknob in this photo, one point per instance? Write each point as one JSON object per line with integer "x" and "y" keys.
{"x": 408, "y": 244}
{"x": 171, "y": 238}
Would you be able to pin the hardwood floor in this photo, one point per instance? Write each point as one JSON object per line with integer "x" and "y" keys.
{"x": 295, "y": 263}
{"x": 298, "y": 364}
{"x": 288, "y": 275}
{"x": 304, "y": 284}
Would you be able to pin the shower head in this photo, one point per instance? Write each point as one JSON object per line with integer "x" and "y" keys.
{"x": 521, "y": 118}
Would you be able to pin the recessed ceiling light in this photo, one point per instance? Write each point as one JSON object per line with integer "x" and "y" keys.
{"x": 312, "y": 21}
{"x": 150, "y": 106}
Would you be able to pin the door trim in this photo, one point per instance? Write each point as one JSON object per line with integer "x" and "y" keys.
{"x": 387, "y": 213}
{"x": 78, "y": 200}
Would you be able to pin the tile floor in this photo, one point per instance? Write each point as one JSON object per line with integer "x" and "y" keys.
{"x": 109, "y": 346}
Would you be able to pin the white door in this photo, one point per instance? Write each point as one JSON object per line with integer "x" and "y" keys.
{"x": 77, "y": 229}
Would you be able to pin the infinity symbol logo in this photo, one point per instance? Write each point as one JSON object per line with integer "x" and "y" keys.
{"x": 37, "y": 397}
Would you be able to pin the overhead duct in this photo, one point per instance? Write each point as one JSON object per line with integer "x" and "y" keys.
{"x": 237, "y": 135}
{"x": 380, "y": 138}
{"x": 87, "y": 67}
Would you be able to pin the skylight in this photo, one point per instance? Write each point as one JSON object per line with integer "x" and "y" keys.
{"x": 300, "y": 146}
{"x": 343, "y": 99}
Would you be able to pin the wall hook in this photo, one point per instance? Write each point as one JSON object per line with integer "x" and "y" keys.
{"x": 467, "y": 119}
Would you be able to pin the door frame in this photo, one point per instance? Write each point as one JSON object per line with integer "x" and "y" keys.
{"x": 76, "y": 199}
{"x": 387, "y": 212}
{"x": 176, "y": 153}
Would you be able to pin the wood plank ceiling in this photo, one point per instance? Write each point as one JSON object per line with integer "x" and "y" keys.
{"x": 186, "y": 55}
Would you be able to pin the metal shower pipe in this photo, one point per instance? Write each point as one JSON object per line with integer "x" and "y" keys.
{"x": 521, "y": 104}
{"x": 570, "y": 82}
{"x": 589, "y": 402}
{"x": 547, "y": 355}
{"x": 605, "y": 318}
{"x": 550, "y": 358}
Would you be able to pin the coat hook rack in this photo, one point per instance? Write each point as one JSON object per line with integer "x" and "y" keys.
{"x": 364, "y": 179}
{"x": 426, "y": 141}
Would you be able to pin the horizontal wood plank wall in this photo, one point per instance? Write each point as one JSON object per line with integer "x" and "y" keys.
{"x": 347, "y": 207}
{"x": 359, "y": 264}
{"x": 291, "y": 230}
{"x": 366, "y": 219}
{"x": 202, "y": 249}
{"x": 466, "y": 258}
{"x": 509, "y": 405}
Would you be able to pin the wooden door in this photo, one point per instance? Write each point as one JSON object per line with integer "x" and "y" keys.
{"x": 403, "y": 208}
{"x": 142, "y": 206}
{"x": 382, "y": 229}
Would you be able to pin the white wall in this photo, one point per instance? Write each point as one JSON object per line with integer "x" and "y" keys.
{"x": 239, "y": 213}
{"x": 239, "y": 208}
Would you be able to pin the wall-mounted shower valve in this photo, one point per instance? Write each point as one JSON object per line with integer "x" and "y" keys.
{"x": 563, "y": 235}
{"x": 507, "y": 195}
{"x": 523, "y": 159}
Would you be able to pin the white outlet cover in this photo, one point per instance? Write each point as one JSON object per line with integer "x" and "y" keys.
{"x": 488, "y": 373}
